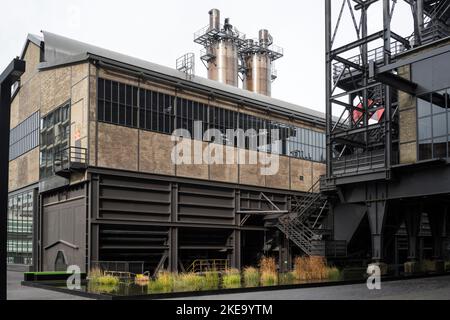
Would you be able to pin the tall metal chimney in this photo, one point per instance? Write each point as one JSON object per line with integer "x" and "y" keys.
{"x": 258, "y": 56}
{"x": 221, "y": 49}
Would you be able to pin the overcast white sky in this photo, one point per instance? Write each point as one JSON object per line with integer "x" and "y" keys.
{"x": 161, "y": 31}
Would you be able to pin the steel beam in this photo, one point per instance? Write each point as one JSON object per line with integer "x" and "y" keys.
{"x": 357, "y": 43}
{"x": 363, "y": 4}
{"x": 11, "y": 74}
{"x": 393, "y": 80}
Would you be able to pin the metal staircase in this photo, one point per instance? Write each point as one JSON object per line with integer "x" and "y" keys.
{"x": 304, "y": 225}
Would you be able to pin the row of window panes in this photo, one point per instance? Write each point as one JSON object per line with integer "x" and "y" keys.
{"x": 24, "y": 137}
{"x": 433, "y": 103}
{"x": 20, "y": 228}
{"x": 55, "y": 136}
{"x": 434, "y": 125}
{"x": 135, "y": 107}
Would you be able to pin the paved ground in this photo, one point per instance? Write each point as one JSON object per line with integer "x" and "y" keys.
{"x": 18, "y": 292}
{"x": 419, "y": 289}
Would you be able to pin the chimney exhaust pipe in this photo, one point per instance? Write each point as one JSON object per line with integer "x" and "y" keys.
{"x": 214, "y": 19}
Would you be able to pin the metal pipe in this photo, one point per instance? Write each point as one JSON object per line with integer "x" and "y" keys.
{"x": 214, "y": 19}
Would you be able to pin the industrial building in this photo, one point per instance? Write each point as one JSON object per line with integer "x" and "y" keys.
{"x": 387, "y": 156}
{"x": 92, "y": 176}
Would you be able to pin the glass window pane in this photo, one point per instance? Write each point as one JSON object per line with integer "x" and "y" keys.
{"x": 423, "y": 108}
{"x": 424, "y": 128}
{"x": 440, "y": 125}
{"x": 425, "y": 151}
{"x": 440, "y": 147}
{"x": 438, "y": 102}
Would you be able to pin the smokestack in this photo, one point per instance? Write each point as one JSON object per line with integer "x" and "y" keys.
{"x": 214, "y": 19}
{"x": 258, "y": 61}
{"x": 227, "y": 53}
{"x": 221, "y": 52}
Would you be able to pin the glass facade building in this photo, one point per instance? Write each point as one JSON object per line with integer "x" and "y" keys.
{"x": 20, "y": 228}
{"x": 433, "y": 120}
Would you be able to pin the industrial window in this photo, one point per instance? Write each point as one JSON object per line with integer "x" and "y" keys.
{"x": 55, "y": 138}
{"x": 24, "y": 137}
{"x": 135, "y": 107}
{"x": 20, "y": 228}
{"x": 433, "y": 125}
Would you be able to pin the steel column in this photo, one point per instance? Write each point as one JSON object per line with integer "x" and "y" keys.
{"x": 11, "y": 74}
{"x": 436, "y": 216}
{"x": 376, "y": 212}
{"x": 412, "y": 221}
{"x": 387, "y": 90}
{"x": 173, "y": 250}
{"x": 328, "y": 85}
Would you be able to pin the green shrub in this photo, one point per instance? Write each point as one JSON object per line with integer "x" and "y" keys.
{"x": 426, "y": 265}
{"x": 251, "y": 277}
{"x": 269, "y": 278}
{"x": 211, "y": 280}
{"x": 231, "y": 279}
{"x": 106, "y": 280}
{"x": 334, "y": 274}
{"x": 447, "y": 265}
{"x": 287, "y": 278}
{"x": 163, "y": 283}
{"x": 189, "y": 282}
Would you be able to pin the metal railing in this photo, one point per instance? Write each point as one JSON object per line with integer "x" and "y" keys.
{"x": 205, "y": 265}
{"x": 376, "y": 54}
{"x": 119, "y": 267}
{"x": 358, "y": 162}
{"x": 207, "y": 32}
{"x": 434, "y": 31}
{"x": 67, "y": 157}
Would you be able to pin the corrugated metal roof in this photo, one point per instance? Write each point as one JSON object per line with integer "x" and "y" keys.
{"x": 61, "y": 50}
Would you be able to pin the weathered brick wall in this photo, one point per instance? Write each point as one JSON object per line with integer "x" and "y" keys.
{"x": 407, "y": 122}
{"x": 150, "y": 152}
{"x": 45, "y": 91}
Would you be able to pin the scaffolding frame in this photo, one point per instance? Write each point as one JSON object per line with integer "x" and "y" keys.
{"x": 355, "y": 135}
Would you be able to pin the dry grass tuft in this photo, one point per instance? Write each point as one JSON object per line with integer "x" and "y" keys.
{"x": 313, "y": 268}
{"x": 268, "y": 270}
{"x": 251, "y": 277}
